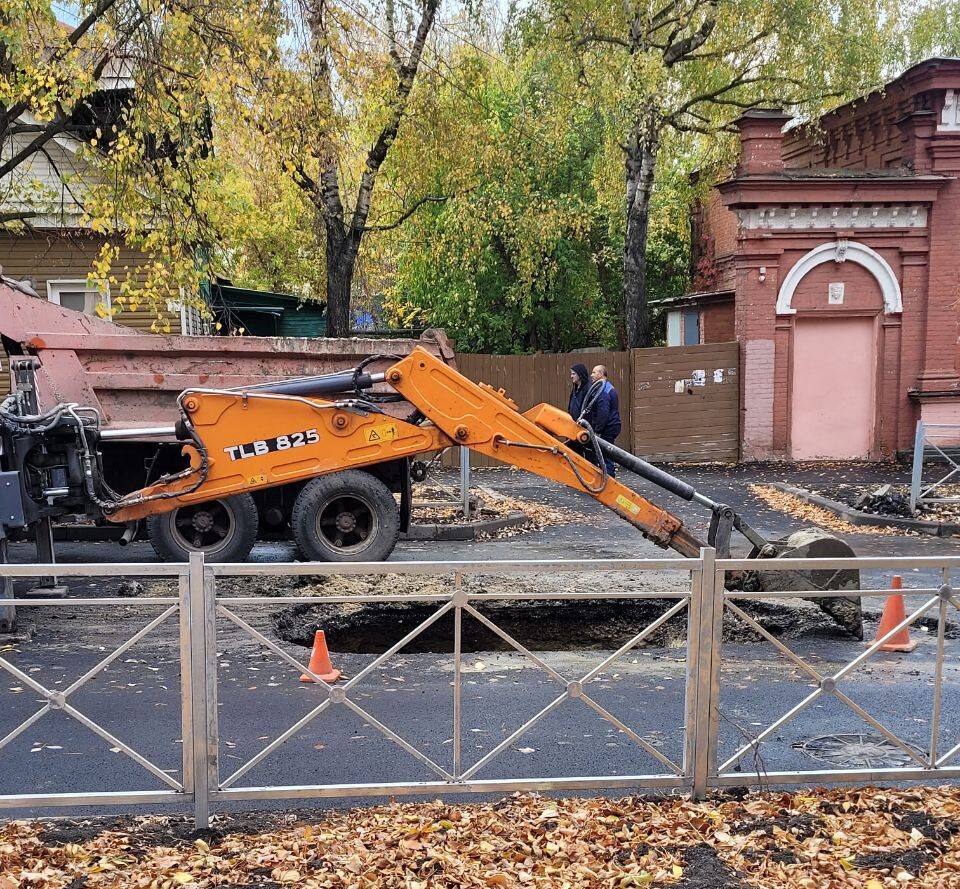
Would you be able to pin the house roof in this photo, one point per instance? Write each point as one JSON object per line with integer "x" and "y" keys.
{"x": 690, "y": 299}
{"x": 264, "y": 300}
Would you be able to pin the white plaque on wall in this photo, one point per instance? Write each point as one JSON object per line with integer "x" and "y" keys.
{"x": 835, "y": 294}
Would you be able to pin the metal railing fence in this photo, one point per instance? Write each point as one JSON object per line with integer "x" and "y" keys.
{"x": 939, "y": 442}
{"x": 203, "y": 610}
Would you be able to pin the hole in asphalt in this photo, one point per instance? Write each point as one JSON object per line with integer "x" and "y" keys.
{"x": 548, "y": 625}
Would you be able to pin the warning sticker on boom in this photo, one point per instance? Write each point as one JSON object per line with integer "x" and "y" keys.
{"x": 627, "y": 504}
{"x": 387, "y": 432}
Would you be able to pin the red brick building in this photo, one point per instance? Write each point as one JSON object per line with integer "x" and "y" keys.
{"x": 832, "y": 256}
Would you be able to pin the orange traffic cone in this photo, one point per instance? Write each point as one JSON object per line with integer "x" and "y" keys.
{"x": 320, "y": 661}
{"x": 894, "y": 613}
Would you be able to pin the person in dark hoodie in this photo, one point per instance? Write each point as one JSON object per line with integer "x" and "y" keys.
{"x": 580, "y": 379}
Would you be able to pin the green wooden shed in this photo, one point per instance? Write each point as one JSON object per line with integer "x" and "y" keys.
{"x": 263, "y": 313}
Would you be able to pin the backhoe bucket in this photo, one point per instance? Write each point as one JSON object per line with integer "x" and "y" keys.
{"x": 813, "y": 543}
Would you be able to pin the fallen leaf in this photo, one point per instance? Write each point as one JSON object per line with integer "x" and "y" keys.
{"x": 640, "y": 879}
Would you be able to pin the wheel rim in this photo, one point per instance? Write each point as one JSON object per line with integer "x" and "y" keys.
{"x": 207, "y": 527}
{"x": 347, "y": 523}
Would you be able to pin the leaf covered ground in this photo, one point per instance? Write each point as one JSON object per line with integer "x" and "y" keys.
{"x": 493, "y": 505}
{"x": 816, "y": 515}
{"x": 866, "y": 838}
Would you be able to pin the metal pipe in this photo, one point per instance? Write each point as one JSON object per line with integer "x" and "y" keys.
{"x": 328, "y": 384}
{"x": 465, "y": 482}
{"x": 652, "y": 474}
{"x": 146, "y": 432}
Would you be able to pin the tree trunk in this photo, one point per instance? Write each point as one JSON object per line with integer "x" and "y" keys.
{"x": 343, "y": 237}
{"x": 641, "y": 151}
{"x": 341, "y": 262}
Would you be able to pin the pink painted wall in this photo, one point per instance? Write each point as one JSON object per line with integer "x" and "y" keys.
{"x": 833, "y": 397}
{"x": 861, "y": 289}
{"x": 941, "y": 411}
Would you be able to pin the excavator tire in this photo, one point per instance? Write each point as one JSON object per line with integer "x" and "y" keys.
{"x": 223, "y": 530}
{"x": 348, "y": 516}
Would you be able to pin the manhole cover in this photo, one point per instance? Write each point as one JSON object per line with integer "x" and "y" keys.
{"x": 857, "y": 750}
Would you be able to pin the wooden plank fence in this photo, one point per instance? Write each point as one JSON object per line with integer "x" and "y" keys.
{"x": 686, "y": 403}
{"x": 680, "y": 403}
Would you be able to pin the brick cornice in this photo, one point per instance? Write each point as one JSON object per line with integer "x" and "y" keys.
{"x": 752, "y": 191}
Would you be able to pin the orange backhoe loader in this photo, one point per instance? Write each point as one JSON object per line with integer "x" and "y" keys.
{"x": 330, "y": 435}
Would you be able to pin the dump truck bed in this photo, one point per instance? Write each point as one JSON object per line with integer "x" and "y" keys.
{"x": 133, "y": 378}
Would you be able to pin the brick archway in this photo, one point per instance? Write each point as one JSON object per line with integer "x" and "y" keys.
{"x": 842, "y": 251}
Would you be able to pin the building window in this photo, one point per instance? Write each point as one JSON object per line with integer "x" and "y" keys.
{"x": 673, "y": 329}
{"x": 78, "y": 295}
{"x": 683, "y": 327}
{"x": 691, "y": 327}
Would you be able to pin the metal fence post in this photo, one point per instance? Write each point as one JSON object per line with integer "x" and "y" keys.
{"x": 459, "y": 600}
{"x": 465, "y": 481}
{"x": 203, "y": 686}
{"x": 917, "y": 475}
{"x": 718, "y": 588}
{"x": 187, "y": 682}
{"x": 8, "y": 610}
{"x": 694, "y": 637}
{"x": 210, "y": 679}
{"x": 699, "y": 760}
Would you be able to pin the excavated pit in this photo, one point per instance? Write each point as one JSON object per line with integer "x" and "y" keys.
{"x": 549, "y": 625}
{"x": 543, "y": 622}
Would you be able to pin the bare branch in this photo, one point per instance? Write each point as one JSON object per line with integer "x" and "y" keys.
{"x": 53, "y": 129}
{"x": 733, "y": 50}
{"x": 428, "y": 199}
{"x": 17, "y": 215}
{"x": 378, "y": 152}
{"x": 661, "y": 15}
{"x": 704, "y": 130}
{"x": 742, "y": 79}
{"x": 593, "y": 37}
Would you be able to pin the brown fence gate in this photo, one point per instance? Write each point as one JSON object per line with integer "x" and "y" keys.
{"x": 686, "y": 403}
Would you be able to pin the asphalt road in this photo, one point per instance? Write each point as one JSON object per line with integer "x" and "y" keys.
{"x": 137, "y": 701}
{"x": 137, "y": 697}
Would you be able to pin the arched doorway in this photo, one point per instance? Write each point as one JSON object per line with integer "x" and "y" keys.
{"x": 837, "y": 293}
